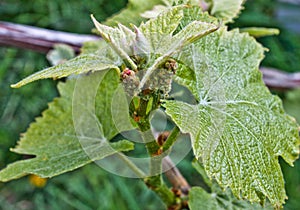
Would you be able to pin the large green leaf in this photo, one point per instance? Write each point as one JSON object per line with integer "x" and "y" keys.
{"x": 238, "y": 129}
{"x": 57, "y": 146}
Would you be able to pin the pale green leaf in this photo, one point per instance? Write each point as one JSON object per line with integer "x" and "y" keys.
{"x": 154, "y": 12}
{"x": 226, "y": 10}
{"x": 131, "y": 14}
{"x": 157, "y": 9}
{"x": 120, "y": 39}
{"x": 200, "y": 199}
{"x": 160, "y": 33}
{"x": 238, "y": 129}
{"x": 55, "y": 139}
{"x": 194, "y": 13}
{"x": 60, "y": 54}
{"x": 260, "y": 32}
{"x": 82, "y": 64}
{"x": 159, "y": 30}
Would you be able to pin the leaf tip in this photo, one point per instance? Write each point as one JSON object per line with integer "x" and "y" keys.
{"x": 15, "y": 85}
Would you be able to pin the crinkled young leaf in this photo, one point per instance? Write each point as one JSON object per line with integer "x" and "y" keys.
{"x": 163, "y": 41}
{"x": 120, "y": 39}
{"x": 227, "y": 10}
{"x": 82, "y": 64}
{"x": 159, "y": 31}
{"x": 57, "y": 146}
{"x": 238, "y": 129}
{"x": 157, "y": 9}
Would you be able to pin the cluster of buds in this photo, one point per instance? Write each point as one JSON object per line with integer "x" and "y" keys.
{"x": 171, "y": 65}
{"x": 160, "y": 80}
{"x": 130, "y": 81}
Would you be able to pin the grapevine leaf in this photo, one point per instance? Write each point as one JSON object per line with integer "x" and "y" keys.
{"x": 131, "y": 14}
{"x": 120, "y": 39}
{"x": 82, "y": 64}
{"x": 56, "y": 142}
{"x": 227, "y": 10}
{"x": 60, "y": 54}
{"x": 238, "y": 129}
{"x": 159, "y": 30}
{"x": 154, "y": 12}
{"x": 157, "y": 9}
{"x": 160, "y": 33}
{"x": 200, "y": 199}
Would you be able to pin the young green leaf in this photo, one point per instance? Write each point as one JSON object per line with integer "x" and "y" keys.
{"x": 120, "y": 39}
{"x": 226, "y": 10}
{"x": 159, "y": 30}
{"x": 82, "y": 64}
{"x": 131, "y": 13}
{"x": 160, "y": 33}
{"x": 238, "y": 128}
{"x": 55, "y": 139}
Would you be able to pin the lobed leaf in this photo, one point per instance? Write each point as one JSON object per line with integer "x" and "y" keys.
{"x": 238, "y": 129}
{"x": 55, "y": 140}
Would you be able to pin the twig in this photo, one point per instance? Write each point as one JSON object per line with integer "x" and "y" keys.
{"x": 175, "y": 177}
{"x": 280, "y": 80}
{"x": 38, "y": 39}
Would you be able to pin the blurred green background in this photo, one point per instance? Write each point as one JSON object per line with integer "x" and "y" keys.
{"x": 91, "y": 187}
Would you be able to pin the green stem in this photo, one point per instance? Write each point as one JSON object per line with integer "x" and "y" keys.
{"x": 171, "y": 138}
{"x": 157, "y": 185}
{"x": 131, "y": 165}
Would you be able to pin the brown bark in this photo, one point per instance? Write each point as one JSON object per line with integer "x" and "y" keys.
{"x": 38, "y": 39}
